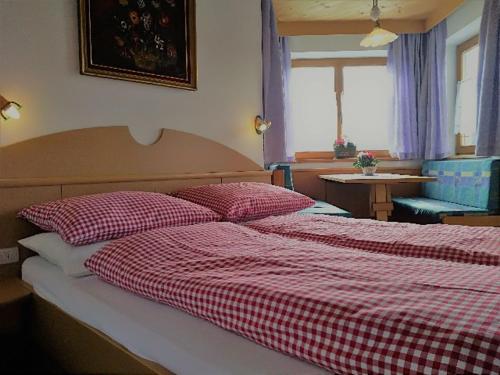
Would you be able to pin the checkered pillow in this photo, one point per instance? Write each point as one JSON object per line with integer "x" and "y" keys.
{"x": 244, "y": 201}
{"x": 92, "y": 218}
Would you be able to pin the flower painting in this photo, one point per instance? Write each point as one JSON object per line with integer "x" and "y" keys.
{"x": 150, "y": 41}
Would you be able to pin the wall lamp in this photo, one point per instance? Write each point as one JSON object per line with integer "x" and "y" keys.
{"x": 9, "y": 109}
{"x": 261, "y": 125}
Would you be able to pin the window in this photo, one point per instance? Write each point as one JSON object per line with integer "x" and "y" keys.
{"x": 313, "y": 108}
{"x": 466, "y": 105}
{"x": 366, "y": 106}
{"x": 346, "y": 97}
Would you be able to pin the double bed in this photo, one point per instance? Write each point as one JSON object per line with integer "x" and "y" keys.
{"x": 176, "y": 341}
{"x": 345, "y": 310}
{"x": 284, "y": 294}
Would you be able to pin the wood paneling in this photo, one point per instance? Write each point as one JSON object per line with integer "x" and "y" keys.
{"x": 15, "y": 196}
{"x": 85, "y": 189}
{"x": 9, "y": 271}
{"x": 278, "y": 177}
{"x": 14, "y": 199}
{"x": 50, "y": 181}
{"x": 352, "y": 10}
{"x": 325, "y": 17}
{"x": 353, "y": 198}
{"x": 14, "y": 308}
{"x": 347, "y": 27}
{"x": 175, "y": 185}
{"x": 473, "y": 221}
{"x": 97, "y": 160}
{"x": 111, "y": 151}
{"x": 308, "y": 183}
{"x": 81, "y": 349}
{"x": 12, "y": 290}
{"x": 265, "y": 179}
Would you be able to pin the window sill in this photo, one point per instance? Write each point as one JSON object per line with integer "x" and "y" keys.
{"x": 329, "y": 157}
{"x": 345, "y": 160}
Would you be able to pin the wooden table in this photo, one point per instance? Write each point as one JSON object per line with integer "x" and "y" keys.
{"x": 381, "y": 205}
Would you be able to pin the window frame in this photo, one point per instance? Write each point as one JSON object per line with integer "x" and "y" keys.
{"x": 338, "y": 63}
{"x": 462, "y": 48}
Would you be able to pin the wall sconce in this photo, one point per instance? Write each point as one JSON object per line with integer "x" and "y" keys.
{"x": 261, "y": 125}
{"x": 9, "y": 109}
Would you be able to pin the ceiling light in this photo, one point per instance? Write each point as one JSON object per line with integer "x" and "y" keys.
{"x": 379, "y": 36}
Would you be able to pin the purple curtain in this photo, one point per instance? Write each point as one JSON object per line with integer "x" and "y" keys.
{"x": 276, "y": 67}
{"x": 419, "y": 128}
{"x": 488, "y": 107}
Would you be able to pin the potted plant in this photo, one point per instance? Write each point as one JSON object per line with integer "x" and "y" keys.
{"x": 344, "y": 149}
{"x": 367, "y": 162}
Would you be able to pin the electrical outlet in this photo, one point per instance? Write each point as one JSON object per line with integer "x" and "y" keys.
{"x": 10, "y": 255}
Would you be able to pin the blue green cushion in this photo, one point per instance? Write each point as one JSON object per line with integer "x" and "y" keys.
{"x": 435, "y": 208}
{"x": 323, "y": 208}
{"x": 470, "y": 182}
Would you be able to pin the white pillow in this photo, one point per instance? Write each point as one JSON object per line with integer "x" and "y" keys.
{"x": 71, "y": 259}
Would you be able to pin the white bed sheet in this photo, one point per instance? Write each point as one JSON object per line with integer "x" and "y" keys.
{"x": 178, "y": 341}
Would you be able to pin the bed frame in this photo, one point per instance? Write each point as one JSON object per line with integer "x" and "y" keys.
{"x": 94, "y": 160}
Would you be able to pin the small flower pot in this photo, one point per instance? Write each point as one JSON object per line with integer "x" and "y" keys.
{"x": 369, "y": 171}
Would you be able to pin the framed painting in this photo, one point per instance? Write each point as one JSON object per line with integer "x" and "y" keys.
{"x": 148, "y": 41}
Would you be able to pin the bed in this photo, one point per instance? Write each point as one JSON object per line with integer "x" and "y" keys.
{"x": 456, "y": 243}
{"x": 343, "y": 309}
{"x": 391, "y": 313}
{"x": 84, "y": 161}
{"x": 175, "y": 340}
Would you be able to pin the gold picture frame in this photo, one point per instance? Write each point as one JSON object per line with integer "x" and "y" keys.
{"x": 146, "y": 41}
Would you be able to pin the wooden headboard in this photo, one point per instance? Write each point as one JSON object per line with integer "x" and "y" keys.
{"x": 108, "y": 159}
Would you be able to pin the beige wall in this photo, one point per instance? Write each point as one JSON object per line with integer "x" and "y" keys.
{"x": 39, "y": 68}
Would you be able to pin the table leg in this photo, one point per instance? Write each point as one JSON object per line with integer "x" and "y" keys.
{"x": 381, "y": 201}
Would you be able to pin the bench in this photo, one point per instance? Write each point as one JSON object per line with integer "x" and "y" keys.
{"x": 323, "y": 208}
{"x": 319, "y": 208}
{"x": 467, "y": 192}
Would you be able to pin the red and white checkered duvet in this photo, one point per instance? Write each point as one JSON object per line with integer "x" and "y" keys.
{"x": 479, "y": 245}
{"x": 349, "y": 311}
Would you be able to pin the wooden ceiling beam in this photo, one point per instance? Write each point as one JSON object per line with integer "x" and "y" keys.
{"x": 403, "y": 16}
{"x": 348, "y": 27}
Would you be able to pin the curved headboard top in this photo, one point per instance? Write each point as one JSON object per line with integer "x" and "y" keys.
{"x": 112, "y": 151}
{"x": 98, "y": 160}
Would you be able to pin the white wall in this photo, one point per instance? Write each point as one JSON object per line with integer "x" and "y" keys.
{"x": 39, "y": 68}
{"x": 470, "y": 11}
